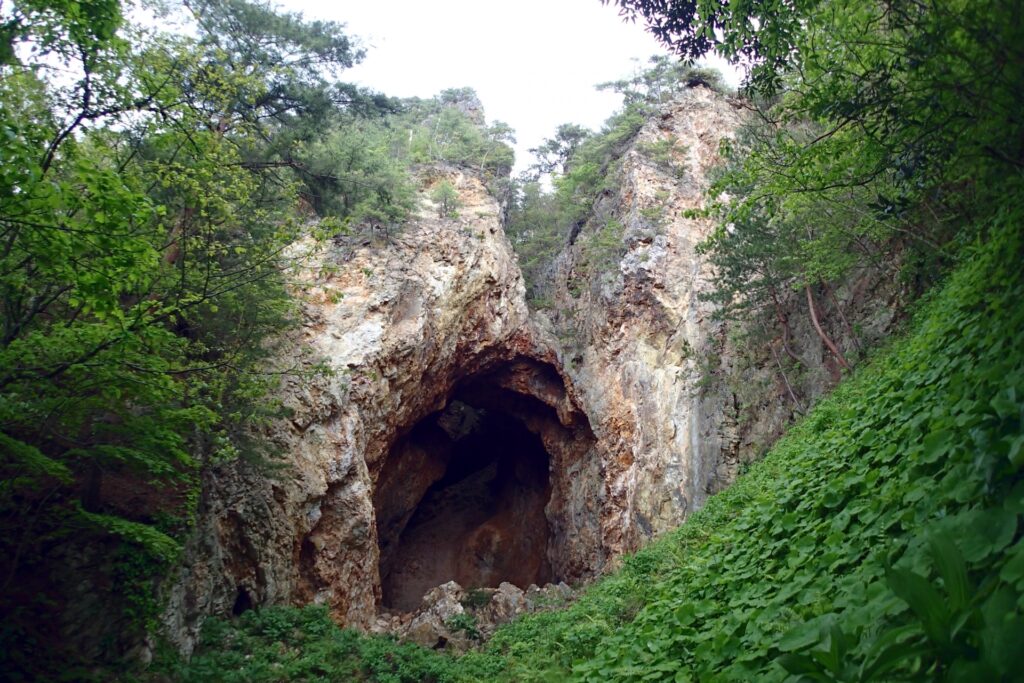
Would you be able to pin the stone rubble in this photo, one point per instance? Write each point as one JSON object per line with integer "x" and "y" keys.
{"x": 456, "y": 619}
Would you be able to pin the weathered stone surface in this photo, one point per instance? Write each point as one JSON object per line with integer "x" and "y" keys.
{"x": 404, "y": 324}
{"x": 432, "y": 625}
{"x": 639, "y": 399}
{"x": 506, "y": 604}
{"x": 675, "y": 404}
{"x": 638, "y": 333}
{"x": 436, "y": 623}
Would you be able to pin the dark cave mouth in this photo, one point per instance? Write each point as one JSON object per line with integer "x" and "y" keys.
{"x": 465, "y": 501}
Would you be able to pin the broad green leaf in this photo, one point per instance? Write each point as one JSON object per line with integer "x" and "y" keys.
{"x": 801, "y": 636}
{"x": 987, "y": 532}
{"x": 952, "y": 569}
{"x": 891, "y": 650}
{"x": 802, "y": 665}
{"x": 1013, "y": 571}
{"x": 925, "y": 601}
{"x": 1015, "y": 453}
{"x": 935, "y": 446}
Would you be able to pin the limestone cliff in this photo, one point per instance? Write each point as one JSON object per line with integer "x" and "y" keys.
{"x": 676, "y": 403}
{"x": 459, "y": 437}
{"x": 420, "y": 331}
{"x": 637, "y": 333}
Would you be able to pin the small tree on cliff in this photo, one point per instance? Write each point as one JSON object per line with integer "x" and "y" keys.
{"x": 446, "y": 198}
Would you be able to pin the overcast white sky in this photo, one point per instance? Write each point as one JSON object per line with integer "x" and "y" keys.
{"x": 533, "y": 62}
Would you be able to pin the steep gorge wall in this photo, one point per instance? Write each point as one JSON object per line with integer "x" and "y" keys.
{"x": 629, "y": 393}
{"x": 636, "y": 334}
{"x": 677, "y": 401}
{"x": 405, "y": 325}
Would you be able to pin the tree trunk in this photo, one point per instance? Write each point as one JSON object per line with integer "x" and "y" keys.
{"x": 785, "y": 379}
{"x": 175, "y": 240}
{"x": 786, "y": 332}
{"x": 842, "y": 316}
{"x": 92, "y": 488}
{"x": 821, "y": 333}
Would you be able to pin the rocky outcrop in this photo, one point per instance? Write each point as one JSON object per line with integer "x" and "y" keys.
{"x": 676, "y": 403}
{"x": 457, "y": 440}
{"x": 636, "y": 333}
{"x": 411, "y": 329}
{"x": 453, "y": 618}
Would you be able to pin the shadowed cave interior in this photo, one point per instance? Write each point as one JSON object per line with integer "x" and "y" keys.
{"x": 462, "y": 497}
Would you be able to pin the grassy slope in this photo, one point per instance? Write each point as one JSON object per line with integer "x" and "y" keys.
{"x": 877, "y": 541}
{"x": 925, "y": 442}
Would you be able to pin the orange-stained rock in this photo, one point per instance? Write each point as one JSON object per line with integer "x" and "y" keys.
{"x": 404, "y": 324}
{"x": 636, "y": 398}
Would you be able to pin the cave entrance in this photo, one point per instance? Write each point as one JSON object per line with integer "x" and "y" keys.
{"x": 475, "y": 492}
{"x": 482, "y": 522}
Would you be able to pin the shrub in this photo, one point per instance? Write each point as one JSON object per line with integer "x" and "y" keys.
{"x": 446, "y": 198}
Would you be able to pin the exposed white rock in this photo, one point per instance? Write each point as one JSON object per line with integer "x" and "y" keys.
{"x": 397, "y": 322}
{"x": 641, "y": 336}
{"x": 630, "y": 386}
{"x": 676, "y": 406}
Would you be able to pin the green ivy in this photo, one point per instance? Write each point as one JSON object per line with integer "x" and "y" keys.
{"x": 880, "y": 540}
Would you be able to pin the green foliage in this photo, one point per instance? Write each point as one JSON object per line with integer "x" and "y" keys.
{"x": 466, "y": 623}
{"x": 148, "y": 201}
{"x": 359, "y": 174}
{"x": 661, "y": 81}
{"x": 553, "y": 155}
{"x": 540, "y": 224}
{"x": 476, "y": 598}
{"x": 445, "y": 196}
{"x": 583, "y": 165}
{"x": 761, "y": 35}
{"x": 664, "y": 153}
{"x": 450, "y": 129}
{"x": 290, "y": 644}
{"x": 536, "y": 235}
{"x": 298, "y": 94}
{"x": 877, "y": 541}
{"x": 62, "y": 28}
{"x": 603, "y": 247}
{"x": 359, "y": 169}
{"x": 884, "y": 131}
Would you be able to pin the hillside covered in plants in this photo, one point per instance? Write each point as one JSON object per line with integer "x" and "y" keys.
{"x": 282, "y": 357}
{"x": 879, "y": 540}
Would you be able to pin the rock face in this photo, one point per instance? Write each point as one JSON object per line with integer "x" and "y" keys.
{"x": 638, "y": 330}
{"x": 675, "y": 403}
{"x": 452, "y": 618}
{"x": 442, "y": 412}
{"x": 458, "y": 438}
